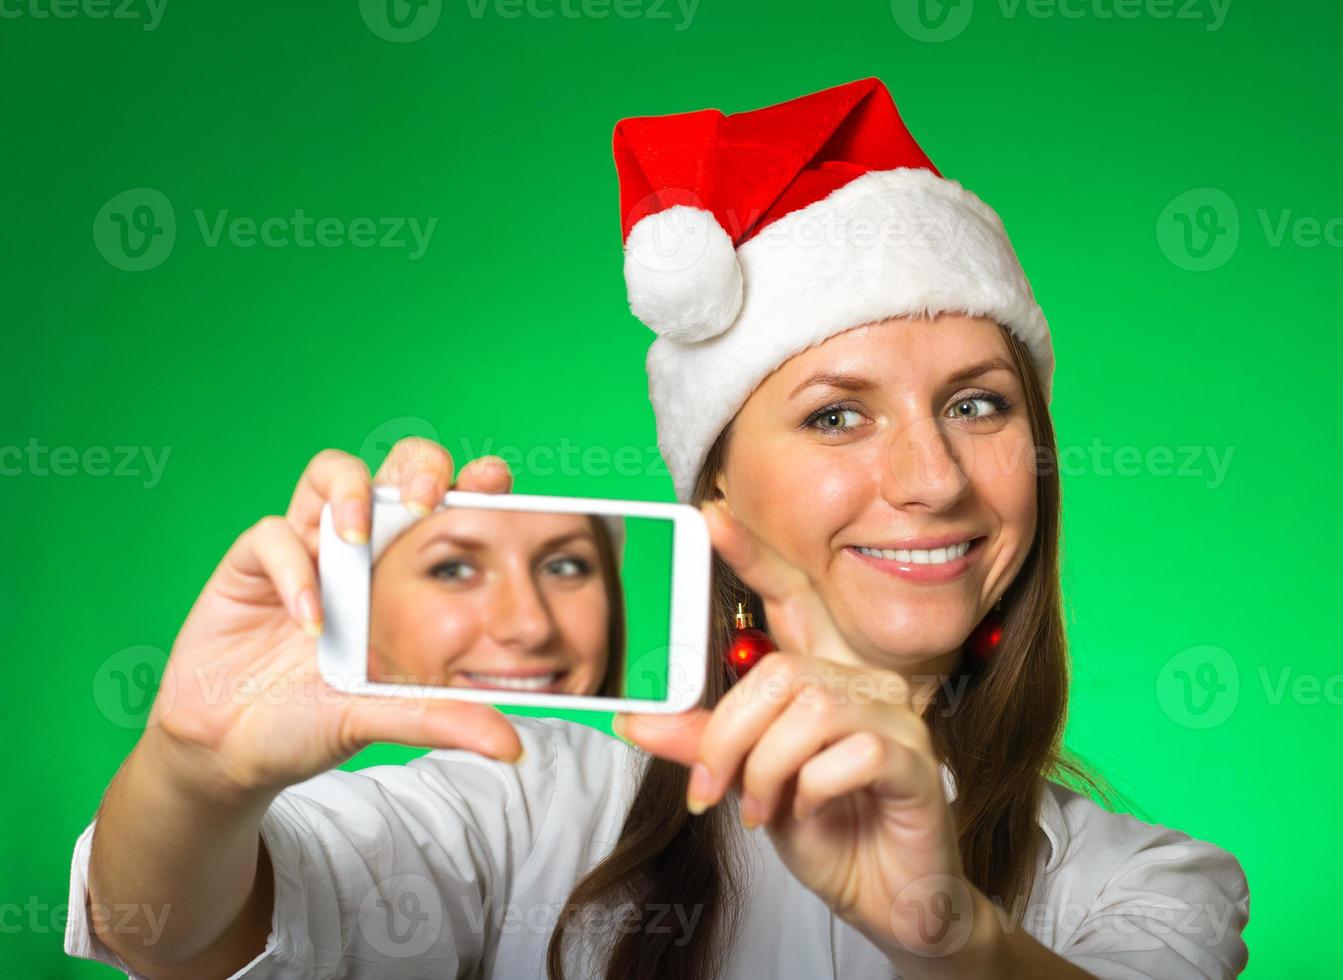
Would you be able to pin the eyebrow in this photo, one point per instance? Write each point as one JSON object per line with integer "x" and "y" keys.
{"x": 475, "y": 544}
{"x": 858, "y": 382}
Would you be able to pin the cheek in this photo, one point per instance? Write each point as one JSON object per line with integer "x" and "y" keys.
{"x": 1004, "y": 476}
{"x": 432, "y": 629}
{"x": 798, "y": 496}
{"x": 583, "y": 618}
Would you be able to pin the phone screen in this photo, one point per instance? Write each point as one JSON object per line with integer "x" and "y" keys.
{"x": 537, "y": 601}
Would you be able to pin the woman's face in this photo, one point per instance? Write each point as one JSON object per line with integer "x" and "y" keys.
{"x": 494, "y": 599}
{"x": 877, "y": 437}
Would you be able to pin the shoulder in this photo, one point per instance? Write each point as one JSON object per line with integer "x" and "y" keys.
{"x": 1110, "y": 877}
{"x": 1086, "y": 837}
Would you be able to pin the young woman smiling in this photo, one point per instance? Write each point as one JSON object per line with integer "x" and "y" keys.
{"x": 851, "y": 379}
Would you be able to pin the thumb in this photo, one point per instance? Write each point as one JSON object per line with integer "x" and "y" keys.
{"x": 437, "y": 723}
{"x": 675, "y": 737}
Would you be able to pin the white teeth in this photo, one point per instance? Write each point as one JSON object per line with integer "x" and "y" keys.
{"x": 515, "y": 683}
{"x": 919, "y": 556}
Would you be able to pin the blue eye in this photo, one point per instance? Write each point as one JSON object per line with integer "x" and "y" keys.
{"x": 571, "y": 567}
{"x": 453, "y": 571}
{"x": 998, "y": 402}
{"x": 832, "y": 413}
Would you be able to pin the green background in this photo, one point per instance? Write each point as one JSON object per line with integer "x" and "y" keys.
{"x": 510, "y": 334}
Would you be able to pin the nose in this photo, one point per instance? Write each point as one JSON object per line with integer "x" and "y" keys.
{"x": 518, "y": 613}
{"x": 925, "y": 468}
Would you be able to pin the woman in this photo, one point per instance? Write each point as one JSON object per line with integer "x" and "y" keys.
{"x": 500, "y": 599}
{"x": 851, "y": 380}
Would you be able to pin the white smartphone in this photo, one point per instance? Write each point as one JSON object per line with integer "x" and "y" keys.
{"x": 531, "y": 600}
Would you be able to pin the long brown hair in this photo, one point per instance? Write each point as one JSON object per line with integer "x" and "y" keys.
{"x": 613, "y": 680}
{"x": 998, "y": 727}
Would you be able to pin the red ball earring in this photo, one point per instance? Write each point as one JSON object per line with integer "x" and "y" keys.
{"x": 986, "y": 637}
{"x": 748, "y": 644}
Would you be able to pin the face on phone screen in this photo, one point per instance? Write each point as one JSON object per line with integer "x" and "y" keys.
{"x": 535, "y": 601}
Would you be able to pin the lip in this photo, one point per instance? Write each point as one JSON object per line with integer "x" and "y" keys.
{"x": 909, "y": 571}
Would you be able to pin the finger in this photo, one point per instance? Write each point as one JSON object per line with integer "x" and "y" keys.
{"x": 860, "y": 761}
{"x": 430, "y": 722}
{"x": 736, "y": 724}
{"x": 811, "y": 722}
{"x": 270, "y": 561}
{"x": 819, "y": 716}
{"x": 675, "y": 737}
{"x": 795, "y": 613}
{"x": 343, "y": 480}
{"x": 485, "y": 474}
{"x": 421, "y": 469}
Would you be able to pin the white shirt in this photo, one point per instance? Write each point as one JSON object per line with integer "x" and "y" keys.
{"x": 457, "y": 865}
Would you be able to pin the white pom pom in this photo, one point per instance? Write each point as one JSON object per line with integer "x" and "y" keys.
{"x": 681, "y": 274}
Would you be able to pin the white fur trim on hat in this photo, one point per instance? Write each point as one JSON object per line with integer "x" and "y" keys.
{"x": 681, "y": 274}
{"x": 886, "y": 244}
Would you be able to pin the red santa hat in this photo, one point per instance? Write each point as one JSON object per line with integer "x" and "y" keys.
{"x": 753, "y": 236}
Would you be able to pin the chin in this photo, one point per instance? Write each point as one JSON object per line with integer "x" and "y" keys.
{"x": 910, "y": 636}
{"x": 901, "y": 652}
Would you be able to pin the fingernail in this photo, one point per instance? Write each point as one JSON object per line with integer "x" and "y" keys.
{"x": 417, "y": 508}
{"x": 750, "y": 811}
{"x": 522, "y": 753}
{"x": 618, "y": 728}
{"x": 352, "y": 519}
{"x": 310, "y": 612}
{"x": 700, "y": 789}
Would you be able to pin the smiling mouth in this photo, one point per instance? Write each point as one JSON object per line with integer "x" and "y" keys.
{"x": 920, "y": 556}
{"x": 535, "y": 682}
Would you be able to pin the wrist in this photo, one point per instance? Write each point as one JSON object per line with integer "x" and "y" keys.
{"x": 976, "y": 950}
{"x": 192, "y": 776}
{"x": 985, "y": 955}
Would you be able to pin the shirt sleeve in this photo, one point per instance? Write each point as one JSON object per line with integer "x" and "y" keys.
{"x": 1174, "y": 908}
{"x": 397, "y": 870}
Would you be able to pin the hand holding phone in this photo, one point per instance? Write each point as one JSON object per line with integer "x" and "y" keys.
{"x": 242, "y": 710}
